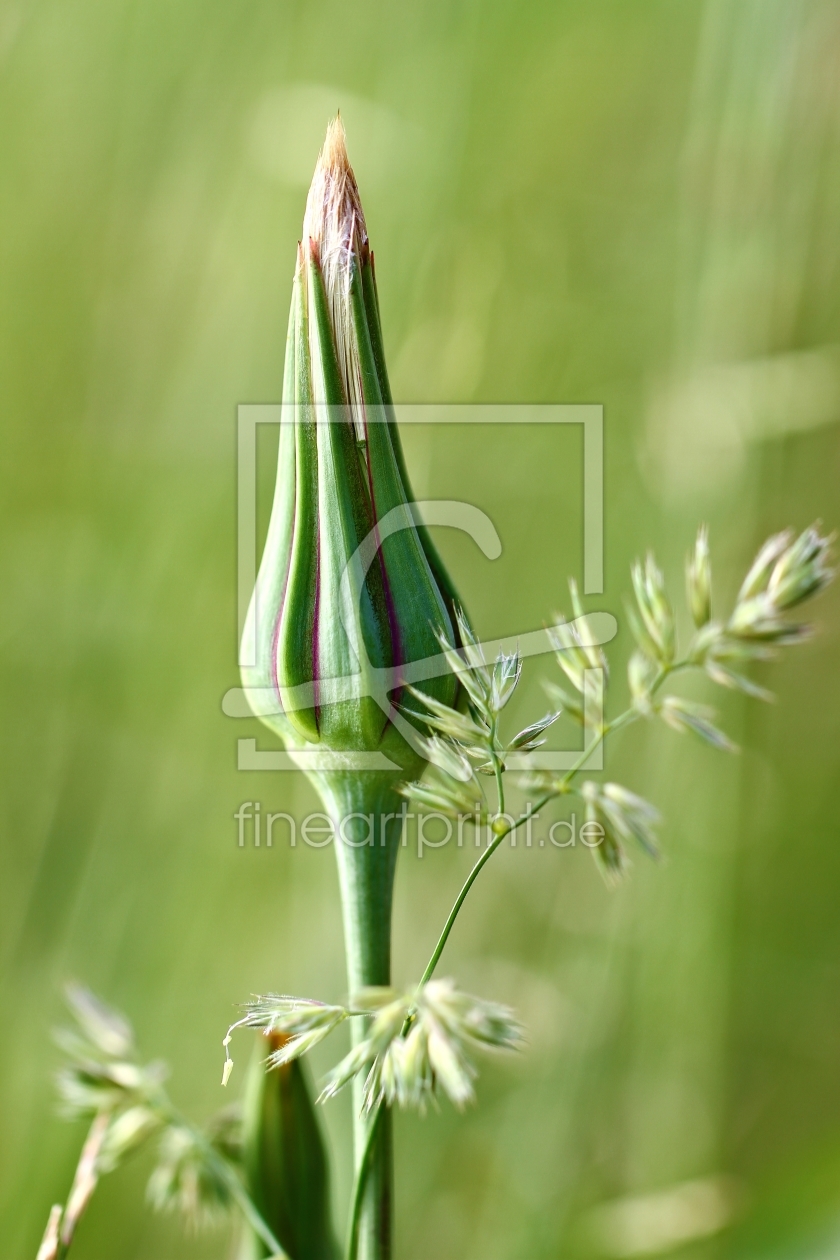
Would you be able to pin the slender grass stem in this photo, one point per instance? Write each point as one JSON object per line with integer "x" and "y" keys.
{"x": 359, "y": 1187}
{"x": 497, "y": 769}
{"x": 470, "y": 880}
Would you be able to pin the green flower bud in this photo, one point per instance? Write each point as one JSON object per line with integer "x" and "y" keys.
{"x": 350, "y": 589}
{"x": 285, "y": 1161}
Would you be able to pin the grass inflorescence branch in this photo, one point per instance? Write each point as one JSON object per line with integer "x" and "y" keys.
{"x": 198, "y": 1171}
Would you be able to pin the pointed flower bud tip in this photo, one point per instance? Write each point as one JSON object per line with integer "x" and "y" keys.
{"x": 333, "y": 201}
{"x": 350, "y": 588}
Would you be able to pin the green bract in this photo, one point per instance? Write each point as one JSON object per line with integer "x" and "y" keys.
{"x": 350, "y": 589}
{"x": 285, "y": 1162}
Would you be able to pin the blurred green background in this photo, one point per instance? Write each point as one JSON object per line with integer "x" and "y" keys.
{"x": 633, "y": 204}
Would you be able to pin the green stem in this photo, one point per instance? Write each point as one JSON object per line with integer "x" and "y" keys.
{"x": 368, "y": 816}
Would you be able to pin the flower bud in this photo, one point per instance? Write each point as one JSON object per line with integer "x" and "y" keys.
{"x": 285, "y": 1161}
{"x": 350, "y": 588}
